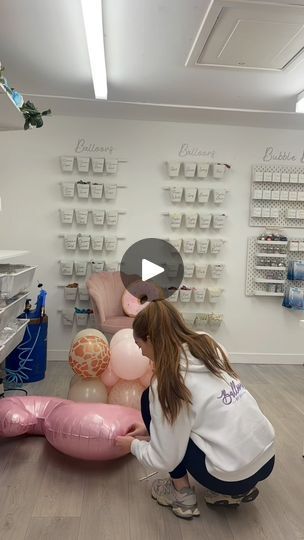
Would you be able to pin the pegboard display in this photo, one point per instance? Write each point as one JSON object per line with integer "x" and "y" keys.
{"x": 267, "y": 264}
{"x": 277, "y": 196}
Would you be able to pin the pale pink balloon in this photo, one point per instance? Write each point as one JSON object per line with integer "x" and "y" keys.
{"x": 108, "y": 377}
{"x": 146, "y": 378}
{"x": 81, "y": 430}
{"x": 126, "y": 333}
{"x": 127, "y": 360}
{"x": 126, "y": 393}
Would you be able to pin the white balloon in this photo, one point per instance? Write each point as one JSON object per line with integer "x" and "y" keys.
{"x": 88, "y": 390}
{"x": 126, "y": 333}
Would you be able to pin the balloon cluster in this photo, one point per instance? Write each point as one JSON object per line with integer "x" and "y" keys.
{"x": 116, "y": 373}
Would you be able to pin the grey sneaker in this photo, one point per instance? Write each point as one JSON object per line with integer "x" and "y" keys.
{"x": 183, "y": 502}
{"x": 233, "y": 501}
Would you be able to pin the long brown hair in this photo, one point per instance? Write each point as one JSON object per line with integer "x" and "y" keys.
{"x": 168, "y": 334}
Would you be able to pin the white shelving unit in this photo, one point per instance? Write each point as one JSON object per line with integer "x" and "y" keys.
{"x": 12, "y": 305}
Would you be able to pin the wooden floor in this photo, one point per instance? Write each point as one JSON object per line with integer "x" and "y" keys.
{"x": 45, "y": 495}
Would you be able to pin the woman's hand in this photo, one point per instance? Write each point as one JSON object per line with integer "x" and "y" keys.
{"x": 138, "y": 431}
{"x": 124, "y": 443}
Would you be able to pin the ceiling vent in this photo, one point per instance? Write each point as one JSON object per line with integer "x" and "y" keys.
{"x": 250, "y": 35}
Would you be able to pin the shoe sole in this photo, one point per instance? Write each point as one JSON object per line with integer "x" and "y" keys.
{"x": 176, "y": 511}
{"x": 246, "y": 499}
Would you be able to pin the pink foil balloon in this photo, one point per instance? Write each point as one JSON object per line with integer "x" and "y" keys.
{"x": 126, "y": 333}
{"x": 126, "y": 393}
{"x": 108, "y": 377}
{"x": 81, "y": 430}
{"x": 127, "y": 360}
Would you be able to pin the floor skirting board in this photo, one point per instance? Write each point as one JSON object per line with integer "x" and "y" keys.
{"x": 59, "y": 355}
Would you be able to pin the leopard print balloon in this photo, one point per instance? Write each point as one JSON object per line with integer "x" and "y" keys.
{"x": 89, "y": 356}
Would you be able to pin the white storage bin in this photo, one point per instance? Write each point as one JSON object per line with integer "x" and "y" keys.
{"x": 214, "y": 294}
{"x": 172, "y": 270}
{"x": 112, "y": 267}
{"x": 199, "y": 295}
{"x": 66, "y": 268}
{"x": 189, "y": 318}
{"x": 83, "y": 189}
{"x": 215, "y": 320}
{"x": 203, "y": 195}
{"x": 14, "y": 307}
{"x": 174, "y": 296}
{"x": 97, "y": 164}
{"x": 176, "y": 243}
{"x": 219, "y": 221}
{"x": 189, "y": 169}
{"x": 189, "y": 245}
{"x": 202, "y": 170}
{"x": 111, "y": 166}
{"x": 201, "y": 320}
{"x": 66, "y": 216}
{"x": 96, "y": 190}
{"x": 188, "y": 270}
{"x": 81, "y": 268}
{"x": 83, "y": 294}
{"x": 84, "y": 241}
{"x": 173, "y": 168}
{"x": 201, "y": 270}
{"x": 204, "y": 221}
{"x": 82, "y": 319}
{"x": 219, "y": 170}
{"x": 110, "y": 191}
{"x": 191, "y": 221}
{"x": 68, "y": 189}
{"x": 176, "y": 220}
{"x": 68, "y": 317}
{"x": 8, "y": 344}
{"x": 70, "y": 293}
{"x": 83, "y": 163}
{"x": 202, "y": 246}
{"x": 216, "y": 246}
{"x": 67, "y": 163}
{"x": 98, "y": 217}
{"x": 185, "y": 295}
{"x": 176, "y": 193}
{"x": 111, "y": 218}
{"x": 98, "y": 266}
{"x": 219, "y": 196}
{"x": 15, "y": 279}
{"x": 110, "y": 243}
{"x": 217, "y": 270}
{"x": 97, "y": 243}
{"x": 81, "y": 216}
{"x": 70, "y": 241}
{"x": 190, "y": 194}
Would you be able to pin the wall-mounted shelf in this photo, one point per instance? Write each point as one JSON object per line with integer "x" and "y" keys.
{"x": 272, "y": 243}
{"x": 277, "y": 268}
{"x": 264, "y": 280}
{"x": 272, "y": 255}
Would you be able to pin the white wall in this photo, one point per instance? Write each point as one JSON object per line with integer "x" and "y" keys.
{"x": 255, "y": 329}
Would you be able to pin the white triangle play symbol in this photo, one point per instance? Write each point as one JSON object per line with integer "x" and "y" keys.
{"x": 149, "y": 270}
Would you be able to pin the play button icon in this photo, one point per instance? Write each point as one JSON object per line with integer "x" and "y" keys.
{"x": 151, "y": 269}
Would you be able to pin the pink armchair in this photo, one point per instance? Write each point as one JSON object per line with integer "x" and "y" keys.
{"x": 105, "y": 290}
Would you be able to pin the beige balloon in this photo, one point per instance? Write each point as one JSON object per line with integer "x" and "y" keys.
{"x": 88, "y": 390}
{"x": 74, "y": 379}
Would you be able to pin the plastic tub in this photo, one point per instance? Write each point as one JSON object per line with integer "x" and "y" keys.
{"x": 9, "y": 344}
{"x": 13, "y": 309}
{"x": 15, "y": 279}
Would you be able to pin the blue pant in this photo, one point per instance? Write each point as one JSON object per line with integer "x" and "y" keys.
{"x": 194, "y": 463}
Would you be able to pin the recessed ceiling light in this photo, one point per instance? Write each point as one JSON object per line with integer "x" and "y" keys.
{"x": 92, "y": 16}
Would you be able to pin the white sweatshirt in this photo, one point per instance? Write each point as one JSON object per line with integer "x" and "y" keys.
{"x": 224, "y": 421}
